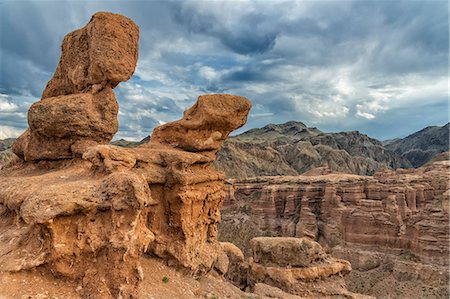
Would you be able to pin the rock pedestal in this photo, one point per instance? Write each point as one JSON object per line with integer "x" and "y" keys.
{"x": 74, "y": 207}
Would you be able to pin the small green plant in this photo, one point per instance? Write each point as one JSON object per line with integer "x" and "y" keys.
{"x": 165, "y": 279}
{"x": 409, "y": 256}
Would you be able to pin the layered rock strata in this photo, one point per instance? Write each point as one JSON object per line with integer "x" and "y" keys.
{"x": 78, "y": 102}
{"x": 283, "y": 267}
{"x": 395, "y": 223}
{"x": 80, "y": 210}
{"x": 392, "y": 211}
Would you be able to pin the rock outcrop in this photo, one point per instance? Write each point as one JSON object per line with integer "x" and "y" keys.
{"x": 293, "y": 148}
{"x": 286, "y": 267}
{"x": 400, "y": 215}
{"x": 74, "y": 207}
{"x": 93, "y": 61}
{"x": 291, "y": 264}
{"x": 423, "y": 145}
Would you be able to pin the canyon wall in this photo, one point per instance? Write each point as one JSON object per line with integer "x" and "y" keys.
{"x": 402, "y": 214}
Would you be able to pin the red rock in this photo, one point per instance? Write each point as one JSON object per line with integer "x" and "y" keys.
{"x": 103, "y": 53}
{"x": 206, "y": 125}
{"x": 389, "y": 212}
{"x": 87, "y": 212}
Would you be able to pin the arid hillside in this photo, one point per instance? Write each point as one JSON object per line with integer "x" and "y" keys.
{"x": 419, "y": 147}
{"x": 292, "y": 148}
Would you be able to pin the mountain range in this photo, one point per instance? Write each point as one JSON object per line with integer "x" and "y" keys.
{"x": 420, "y": 147}
{"x": 293, "y": 148}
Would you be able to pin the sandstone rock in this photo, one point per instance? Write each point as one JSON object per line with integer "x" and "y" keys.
{"x": 265, "y": 290}
{"x": 103, "y": 53}
{"x": 297, "y": 266}
{"x": 238, "y": 268}
{"x": 204, "y": 126}
{"x": 112, "y": 204}
{"x": 389, "y": 212}
{"x": 284, "y": 252}
{"x": 394, "y": 215}
{"x": 78, "y": 102}
{"x": 86, "y": 212}
{"x": 91, "y": 116}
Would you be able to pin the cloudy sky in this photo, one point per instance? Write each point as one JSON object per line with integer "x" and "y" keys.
{"x": 380, "y": 67}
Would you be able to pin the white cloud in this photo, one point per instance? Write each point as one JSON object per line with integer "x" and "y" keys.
{"x": 6, "y": 105}
{"x": 209, "y": 73}
{"x": 9, "y": 132}
{"x": 363, "y": 114}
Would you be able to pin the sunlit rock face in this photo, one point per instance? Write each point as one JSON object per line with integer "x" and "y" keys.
{"x": 82, "y": 210}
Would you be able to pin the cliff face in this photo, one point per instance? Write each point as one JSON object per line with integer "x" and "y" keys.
{"x": 423, "y": 145}
{"x": 292, "y": 148}
{"x": 394, "y": 215}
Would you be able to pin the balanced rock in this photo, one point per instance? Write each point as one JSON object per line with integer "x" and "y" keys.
{"x": 206, "y": 125}
{"x": 78, "y": 102}
{"x": 103, "y": 53}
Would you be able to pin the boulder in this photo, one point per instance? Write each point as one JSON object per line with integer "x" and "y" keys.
{"x": 103, "y": 53}
{"x": 284, "y": 251}
{"x": 206, "y": 125}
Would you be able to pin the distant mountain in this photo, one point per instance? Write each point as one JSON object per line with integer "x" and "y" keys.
{"x": 5, "y": 150}
{"x": 293, "y": 148}
{"x": 423, "y": 145}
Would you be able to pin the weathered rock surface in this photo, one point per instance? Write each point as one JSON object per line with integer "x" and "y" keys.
{"x": 292, "y": 149}
{"x": 101, "y": 54}
{"x": 291, "y": 264}
{"x": 111, "y": 203}
{"x": 206, "y": 125}
{"x": 402, "y": 214}
{"x": 86, "y": 212}
{"x": 78, "y": 102}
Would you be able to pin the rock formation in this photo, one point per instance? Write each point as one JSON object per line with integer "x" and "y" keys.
{"x": 291, "y": 264}
{"x": 74, "y": 207}
{"x": 286, "y": 267}
{"x": 293, "y": 148}
{"x": 423, "y": 145}
{"x": 95, "y": 219}
{"x": 395, "y": 215}
{"x": 94, "y": 60}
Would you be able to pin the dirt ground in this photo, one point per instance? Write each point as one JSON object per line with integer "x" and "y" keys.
{"x": 160, "y": 282}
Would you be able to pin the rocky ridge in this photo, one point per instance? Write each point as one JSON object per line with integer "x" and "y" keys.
{"x": 423, "y": 145}
{"x": 394, "y": 222}
{"x": 293, "y": 148}
{"x": 101, "y": 221}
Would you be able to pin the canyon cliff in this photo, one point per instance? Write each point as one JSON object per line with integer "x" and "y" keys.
{"x": 401, "y": 216}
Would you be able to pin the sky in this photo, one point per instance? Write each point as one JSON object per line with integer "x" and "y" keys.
{"x": 380, "y": 67}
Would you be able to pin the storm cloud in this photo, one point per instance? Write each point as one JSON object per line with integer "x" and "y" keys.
{"x": 380, "y": 67}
